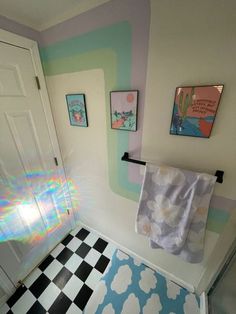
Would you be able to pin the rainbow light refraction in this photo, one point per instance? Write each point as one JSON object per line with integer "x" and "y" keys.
{"x": 34, "y": 205}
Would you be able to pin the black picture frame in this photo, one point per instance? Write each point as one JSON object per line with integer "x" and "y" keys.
{"x": 195, "y": 116}
{"x": 77, "y": 111}
{"x": 124, "y": 110}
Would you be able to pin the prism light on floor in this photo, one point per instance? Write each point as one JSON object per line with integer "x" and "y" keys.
{"x": 28, "y": 201}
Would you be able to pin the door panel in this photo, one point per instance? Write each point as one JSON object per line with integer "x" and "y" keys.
{"x": 6, "y": 287}
{"x": 12, "y": 85}
{"x": 33, "y": 207}
{"x": 24, "y": 134}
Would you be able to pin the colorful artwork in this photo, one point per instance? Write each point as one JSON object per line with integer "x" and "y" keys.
{"x": 77, "y": 109}
{"x": 124, "y": 110}
{"x": 195, "y": 109}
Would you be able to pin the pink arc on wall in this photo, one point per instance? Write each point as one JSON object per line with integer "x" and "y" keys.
{"x": 195, "y": 109}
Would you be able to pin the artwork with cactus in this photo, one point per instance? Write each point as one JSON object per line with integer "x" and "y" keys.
{"x": 195, "y": 109}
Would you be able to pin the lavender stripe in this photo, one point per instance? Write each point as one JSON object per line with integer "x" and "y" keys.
{"x": 221, "y": 202}
{"x": 140, "y": 37}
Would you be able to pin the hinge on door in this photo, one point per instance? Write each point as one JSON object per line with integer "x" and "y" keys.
{"x": 37, "y": 82}
{"x": 55, "y": 160}
{"x": 68, "y": 212}
{"x": 19, "y": 283}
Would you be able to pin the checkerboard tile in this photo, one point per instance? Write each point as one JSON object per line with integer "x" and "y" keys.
{"x": 73, "y": 309}
{"x": 65, "y": 280}
{"x": 51, "y": 290}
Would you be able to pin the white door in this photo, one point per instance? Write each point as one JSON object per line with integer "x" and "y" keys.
{"x": 34, "y": 213}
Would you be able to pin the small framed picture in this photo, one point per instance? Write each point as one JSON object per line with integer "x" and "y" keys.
{"x": 77, "y": 109}
{"x": 194, "y": 110}
{"x": 124, "y": 110}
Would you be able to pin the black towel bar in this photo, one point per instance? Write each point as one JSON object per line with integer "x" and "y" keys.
{"x": 219, "y": 173}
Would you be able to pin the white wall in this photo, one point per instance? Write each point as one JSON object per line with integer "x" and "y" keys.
{"x": 192, "y": 42}
{"x": 84, "y": 151}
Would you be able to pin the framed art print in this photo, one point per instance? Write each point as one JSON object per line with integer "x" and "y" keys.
{"x": 124, "y": 110}
{"x": 77, "y": 109}
{"x": 194, "y": 110}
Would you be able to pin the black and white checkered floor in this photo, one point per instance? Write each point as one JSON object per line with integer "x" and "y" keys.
{"x": 65, "y": 280}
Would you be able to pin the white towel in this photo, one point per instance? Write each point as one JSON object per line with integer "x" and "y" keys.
{"x": 173, "y": 210}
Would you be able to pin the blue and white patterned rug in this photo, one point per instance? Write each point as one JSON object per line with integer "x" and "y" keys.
{"x": 130, "y": 287}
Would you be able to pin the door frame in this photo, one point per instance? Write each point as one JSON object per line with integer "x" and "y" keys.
{"x": 32, "y": 46}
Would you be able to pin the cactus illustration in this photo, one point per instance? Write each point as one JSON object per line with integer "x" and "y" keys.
{"x": 181, "y": 101}
{"x": 184, "y": 104}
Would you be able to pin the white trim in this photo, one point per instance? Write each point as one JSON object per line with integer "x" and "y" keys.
{"x": 146, "y": 262}
{"x": 203, "y": 303}
{"x": 16, "y": 40}
{"x": 32, "y": 46}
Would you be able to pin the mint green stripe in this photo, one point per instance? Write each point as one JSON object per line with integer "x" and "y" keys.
{"x": 217, "y": 219}
{"x": 117, "y": 38}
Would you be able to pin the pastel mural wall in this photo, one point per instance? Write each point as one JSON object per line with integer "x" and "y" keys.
{"x": 138, "y": 44}
{"x": 118, "y": 44}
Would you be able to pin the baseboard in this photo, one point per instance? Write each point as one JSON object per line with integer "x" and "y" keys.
{"x": 146, "y": 262}
{"x": 203, "y": 303}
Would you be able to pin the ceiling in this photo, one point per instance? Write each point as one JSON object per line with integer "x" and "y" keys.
{"x": 41, "y": 14}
